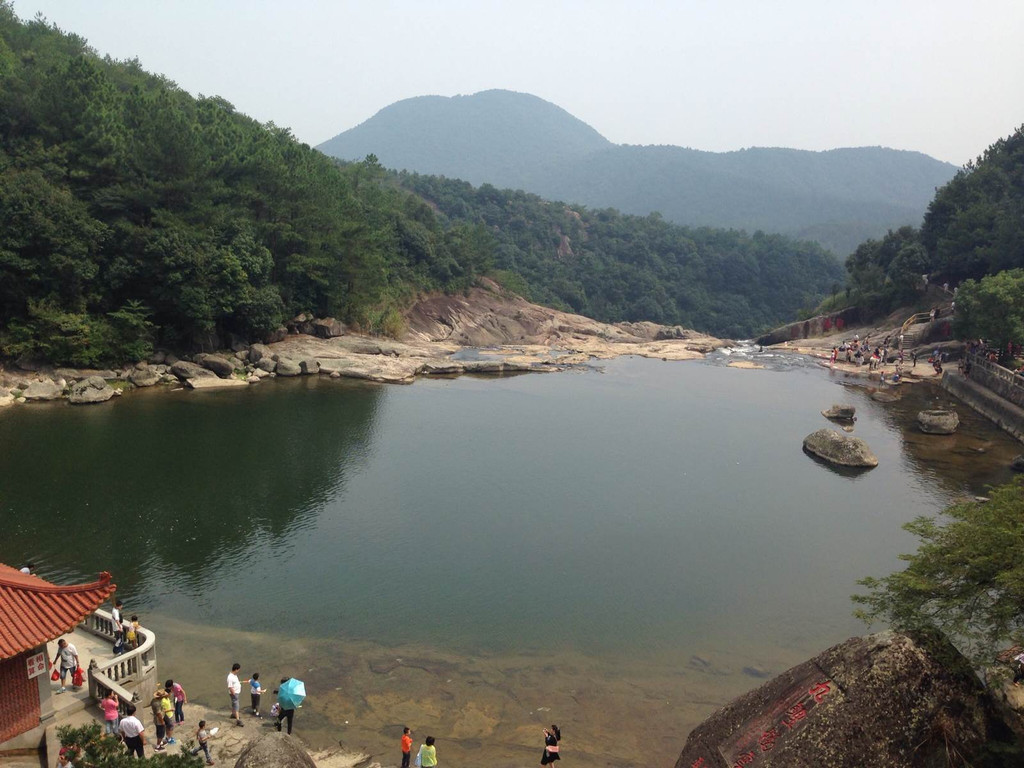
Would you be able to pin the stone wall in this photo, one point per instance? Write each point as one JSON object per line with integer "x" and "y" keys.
{"x": 1007, "y": 389}
{"x": 1002, "y": 412}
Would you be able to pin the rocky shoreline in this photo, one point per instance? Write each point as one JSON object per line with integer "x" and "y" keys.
{"x": 506, "y": 333}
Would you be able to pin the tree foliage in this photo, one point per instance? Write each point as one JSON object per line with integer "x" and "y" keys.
{"x": 992, "y": 308}
{"x": 94, "y": 750}
{"x": 966, "y": 578}
{"x": 615, "y": 267}
{"x": 133, "y": 213}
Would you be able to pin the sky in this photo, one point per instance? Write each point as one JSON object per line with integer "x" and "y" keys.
{"x": 937, "y": 76}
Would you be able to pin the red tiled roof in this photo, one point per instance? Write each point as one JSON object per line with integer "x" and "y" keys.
{"x": 34, "y": 611}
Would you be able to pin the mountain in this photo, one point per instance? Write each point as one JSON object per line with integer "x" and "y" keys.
{"x": 494, "y": 136}
{"x": 838, "y": 198}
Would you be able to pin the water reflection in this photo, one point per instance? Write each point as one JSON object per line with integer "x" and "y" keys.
{"x": 164, "y": 489}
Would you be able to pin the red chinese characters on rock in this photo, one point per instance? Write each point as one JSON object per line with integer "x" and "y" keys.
{"x": 698, "y": 763}
{"x": 820, "y": 691}
{"x": 745, "y": 759}
{"x": 767, "y": 740}
{"x": 794, "y": 714}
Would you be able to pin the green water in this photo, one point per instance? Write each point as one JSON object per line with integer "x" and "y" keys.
{"x": 647, "y": 511}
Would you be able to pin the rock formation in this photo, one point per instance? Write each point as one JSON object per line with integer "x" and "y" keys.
{"x": 274, "y": 750}
{"x": 938, "y": 422}
{"x": 829, "y": 445}
{"x": 90, "y": 390}
{"x": 840, "y": 413}
{"x": 882, "y": 700}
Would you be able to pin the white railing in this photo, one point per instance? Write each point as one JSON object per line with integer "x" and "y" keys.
{"x": 120, "y": 671}
{"x": 1005, "y": 374}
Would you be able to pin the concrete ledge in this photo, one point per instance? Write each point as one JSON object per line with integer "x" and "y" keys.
{"x": 1002, "y": 412}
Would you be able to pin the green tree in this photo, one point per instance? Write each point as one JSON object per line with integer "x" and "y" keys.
{"x": 992, "y": 309}
{"x": 966, "y": 578}
{"x": 95, "y": 750}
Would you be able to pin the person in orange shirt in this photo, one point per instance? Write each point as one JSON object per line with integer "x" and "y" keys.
{"x": 406, "y": 746}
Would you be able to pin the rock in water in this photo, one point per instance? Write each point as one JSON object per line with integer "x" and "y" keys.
{"x": 90, "y": 390}
{"x": 274, "y": 750}
{"x": 938, "y": 422}
{"x": 42, "y": 390}
{"x": 185, "y": 370}
{"x": 884, "y": 397}
{"x": 287, "y": 367}
{"x": 840, "y": 413}
{"x": 882, "y": 700}
{"x": 145, "y": 377}
{"x": 219, "y": 365}
{"x": 839, "y": 449}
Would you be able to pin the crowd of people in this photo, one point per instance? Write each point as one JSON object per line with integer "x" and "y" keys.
{"x": 167, "y": 706}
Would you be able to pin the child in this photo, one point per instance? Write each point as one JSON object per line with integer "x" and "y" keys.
{"x": 256, "y": 692}
{"x": 406, "y": 746}
{"x": 203, "y": 736}
{"x": 131, "y": 635}
{"x": 110, "y": 704}
{"x": 179, "y": 698}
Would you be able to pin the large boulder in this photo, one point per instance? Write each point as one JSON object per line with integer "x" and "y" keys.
{"x": 309, "y": 366}
{"x": 266, "y": 364}
{"x": 840, "y": 413}
{"x": 278, "y": 334}
{"x": 144, "y": 377}
{"x": 829, "y": 445}
{"x": 328, "y": 328}
{"x": 185, "y": 371}
{"x": 215, "y": 382}
{"x": 219, "y": 365}
{"x": 938, "y": 422}
{"x": 286, "y": 367}
{"x": 882, "y": 700}
{"x": 257, "y": 352}
{"x": 274, "y": 750}
{"x": 1017, "y": 465}
{"x": 90, "y": 390}
{"x": 42, "y": 390}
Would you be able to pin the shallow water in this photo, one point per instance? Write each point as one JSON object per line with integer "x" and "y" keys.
{"x": 605, "y": 549}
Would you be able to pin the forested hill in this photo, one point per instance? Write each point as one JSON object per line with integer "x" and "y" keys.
{"x": 612, "y": 266}
{"x": 508, "y": 139}
{"x": 133, "y": 214}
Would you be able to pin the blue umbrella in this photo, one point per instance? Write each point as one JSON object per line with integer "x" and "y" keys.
{"x": 291, "y": 693}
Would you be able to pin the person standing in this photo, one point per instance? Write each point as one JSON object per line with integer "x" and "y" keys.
{"x": 133, "y": 732}
{"x": 551, "y": 738}
{"x": 234, "y": 691}
{"x": 406, "y": 746}
{"x": 167, "y": 704}
{"x": 255, "y": 693}
{"x": 178, "y": 697}
{"x": 427, "y": 756}
{"x": 283, "y": 713}
{"x": 67, "y": 655}
{"x": 110, "y": 704}
{"x": 117, "y": 618}
{"x": 156, "y": 706}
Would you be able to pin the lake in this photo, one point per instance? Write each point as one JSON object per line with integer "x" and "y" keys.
{"x": 619, "y": 550}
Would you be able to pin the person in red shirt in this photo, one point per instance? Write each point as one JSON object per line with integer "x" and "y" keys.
{"x": 406, "y": 746}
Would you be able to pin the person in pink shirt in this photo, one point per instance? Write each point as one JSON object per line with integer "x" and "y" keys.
{"x": 179, "y": 698}
{"x": 110, "y": 705}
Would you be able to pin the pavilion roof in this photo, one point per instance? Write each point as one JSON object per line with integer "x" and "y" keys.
{"x": 34, "y": 611}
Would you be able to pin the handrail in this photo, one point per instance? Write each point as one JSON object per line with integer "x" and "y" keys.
{"x": 914, "y": 319}
{"x": 130, "y": 664}
{"x": 1000, "y": 372}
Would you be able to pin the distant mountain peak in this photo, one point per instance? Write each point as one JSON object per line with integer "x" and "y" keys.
{"x": 838, "y": 197}
{"x": 448, "y": 134}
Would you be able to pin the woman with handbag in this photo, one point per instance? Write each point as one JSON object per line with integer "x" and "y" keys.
{"x": 551, "y": 739}
{"x": 427, "y": 756}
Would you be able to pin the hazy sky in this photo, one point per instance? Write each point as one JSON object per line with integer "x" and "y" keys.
{"x": 939, "y": 76}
